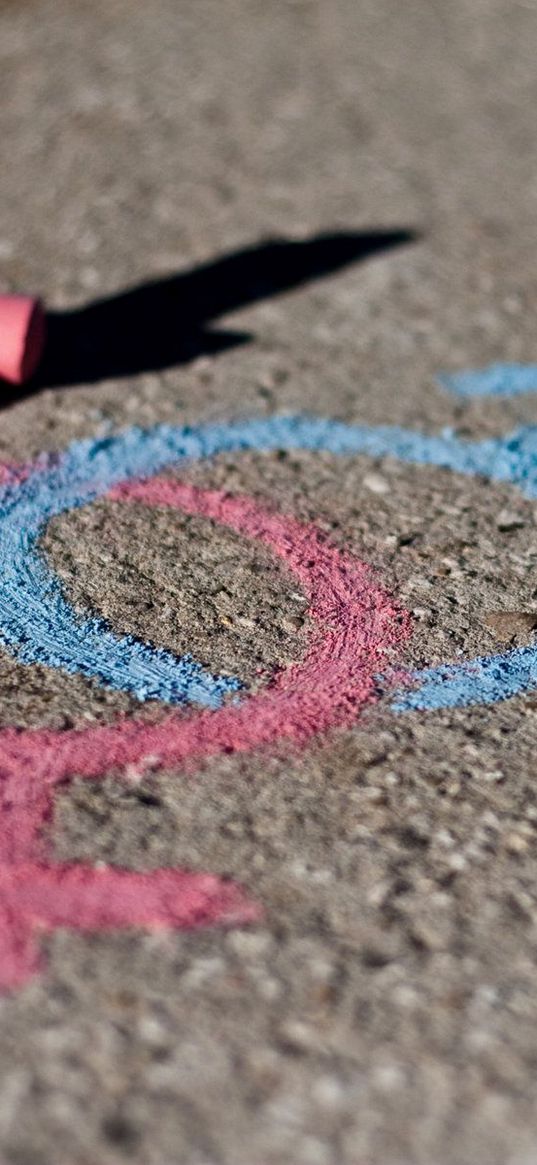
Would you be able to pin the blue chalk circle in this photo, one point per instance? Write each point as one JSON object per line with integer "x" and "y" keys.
{"x": 495, "y": 380}
{"x": 485, "y": 680}
{"x": 39, "y": 625}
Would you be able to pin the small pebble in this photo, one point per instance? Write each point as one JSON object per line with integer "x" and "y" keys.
{"x": 509, "y": 520}
{"x": 376, "y": 483}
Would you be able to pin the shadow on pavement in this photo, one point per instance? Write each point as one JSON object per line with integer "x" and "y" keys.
{"x": 166, "y": 322}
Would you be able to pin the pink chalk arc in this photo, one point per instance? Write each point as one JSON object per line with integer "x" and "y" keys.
{"x": 355, "y": 624}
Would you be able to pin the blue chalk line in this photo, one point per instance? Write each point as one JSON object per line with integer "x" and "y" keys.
{"x": 495, "y": 380}
{"x": 39, "y": 625}
{"x": 484, "y": 680}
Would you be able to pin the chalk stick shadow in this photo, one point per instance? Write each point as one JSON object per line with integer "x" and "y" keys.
{"x": 168, "y": 322}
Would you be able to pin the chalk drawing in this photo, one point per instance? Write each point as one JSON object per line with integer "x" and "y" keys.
{"x": 38, "y": 624}
{"x": 494, "y": 380}
{"x": 355, "y": 625}
{"x": 358, "y": 633}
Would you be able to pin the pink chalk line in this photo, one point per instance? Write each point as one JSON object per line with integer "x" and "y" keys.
{"x": 11, "y": 473}
{"x": 356, "y": 624}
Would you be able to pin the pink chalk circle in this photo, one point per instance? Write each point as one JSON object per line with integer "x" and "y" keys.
{"x": 22, "y": 337}
{"x": 355, "y": 625}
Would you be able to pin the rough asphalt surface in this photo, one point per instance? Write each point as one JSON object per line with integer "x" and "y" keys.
{"x": 385, "y": 1011}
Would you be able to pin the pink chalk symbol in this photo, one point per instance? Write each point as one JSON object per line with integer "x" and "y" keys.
{"x": 355, "y": 625}
{"x": 22, "y": 337}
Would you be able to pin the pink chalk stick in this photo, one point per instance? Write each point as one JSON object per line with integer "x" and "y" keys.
{"x": 22, "y": 336}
